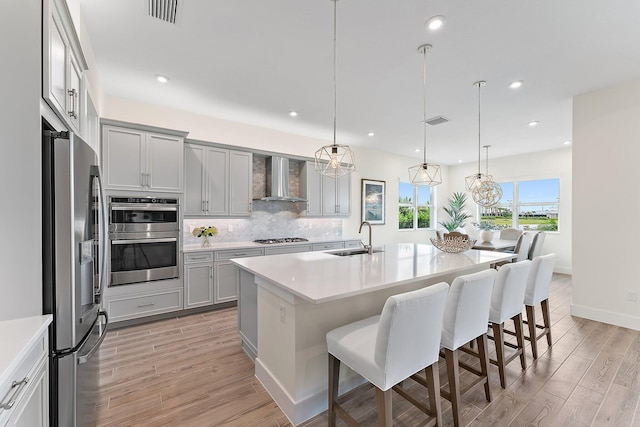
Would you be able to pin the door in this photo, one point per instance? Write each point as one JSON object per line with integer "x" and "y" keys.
{"x": 198, "y": 279}
{"x": 226, "y": 282}
{"x": 123, "y": 158}
{"x": 73, "y": 93}
{"x": 217, "y": 200}
{"x": 240, "y": 183}
{"x": 195, "y": 157}
{"x": 164, "y": 163}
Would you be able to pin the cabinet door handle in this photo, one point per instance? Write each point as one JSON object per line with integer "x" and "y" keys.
{"x": 148, "y": 180}
{"x": 207, "y": 205}
{"x": 244, "y": 254}
{"x": 72, "y": 93}
{"x": 149, "y": 304}
{"x": 142, "y": 179}
{"x": 12, "y": 400}
{"x": 197, "y": 258}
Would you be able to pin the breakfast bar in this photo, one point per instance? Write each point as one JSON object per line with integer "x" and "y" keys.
{"x": 288, "y": 303}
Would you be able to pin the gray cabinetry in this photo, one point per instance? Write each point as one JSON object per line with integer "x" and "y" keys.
{"x": 226, "y": 278}
{"x": 325, "y": 196}
{"x": 63, "y": 64}
{"x": 217, "y": 181}
{"x": 137, "y": 158}
{"x": 198, "y": 279}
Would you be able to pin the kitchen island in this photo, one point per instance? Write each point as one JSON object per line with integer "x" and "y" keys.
{"x": 289, "y": 302}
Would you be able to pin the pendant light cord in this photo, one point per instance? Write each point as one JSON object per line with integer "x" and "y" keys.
{"x": 479, "y": 90}
{"x": 424, "y": 93}
{"x": 335, "y": 80}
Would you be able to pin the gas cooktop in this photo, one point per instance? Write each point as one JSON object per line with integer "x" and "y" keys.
{"x": 281, "y": 240}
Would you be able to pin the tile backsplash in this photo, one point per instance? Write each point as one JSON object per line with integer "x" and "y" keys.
{"x": 268, "y": 220}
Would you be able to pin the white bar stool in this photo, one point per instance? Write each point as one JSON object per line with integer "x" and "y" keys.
{"x": 506, "y": 303}
{"x": 466, "y": 317}
{"x": 389, "y": 348}
{"x": 537, "y": 292}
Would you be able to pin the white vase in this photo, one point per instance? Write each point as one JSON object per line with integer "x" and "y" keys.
{"x": 486, "y": 236}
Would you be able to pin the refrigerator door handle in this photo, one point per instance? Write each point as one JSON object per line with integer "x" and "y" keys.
{"x": 105, "y": 238}
{"x": 84, "y": 359}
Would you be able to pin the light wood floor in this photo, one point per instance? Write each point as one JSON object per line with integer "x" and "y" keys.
{"x": 191, "y": 371}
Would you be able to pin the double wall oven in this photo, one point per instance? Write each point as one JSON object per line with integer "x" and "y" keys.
{"x": 144, "y": 238}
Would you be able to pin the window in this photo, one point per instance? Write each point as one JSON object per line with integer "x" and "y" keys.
{"x": 414, "y": 199}
{"x": 536, "y": 201}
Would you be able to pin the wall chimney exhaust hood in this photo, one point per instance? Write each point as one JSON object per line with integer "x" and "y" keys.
{"x": 278, "y": 181}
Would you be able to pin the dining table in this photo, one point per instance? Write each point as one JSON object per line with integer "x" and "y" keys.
{"x": 496, "y": 245}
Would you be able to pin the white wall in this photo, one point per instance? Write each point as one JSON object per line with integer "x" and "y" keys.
{"x": 606, "y": 153}
{"x": 20, "y": 162}
{"x": 541, "y": 165}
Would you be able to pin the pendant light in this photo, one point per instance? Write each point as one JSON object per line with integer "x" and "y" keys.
{"x": 425, "y": 173}
{"x": 484, "y": 191}
{"x": 334, "y": 160}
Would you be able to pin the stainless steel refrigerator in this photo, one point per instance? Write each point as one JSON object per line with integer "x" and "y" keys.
{"x": 74, "y": 274}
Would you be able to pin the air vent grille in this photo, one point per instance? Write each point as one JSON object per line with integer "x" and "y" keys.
{"x": 165, "y": 10}
{"x": 437, "y": 120}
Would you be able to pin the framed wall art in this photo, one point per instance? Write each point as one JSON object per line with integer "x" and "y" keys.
{"x": 373, "y": 197}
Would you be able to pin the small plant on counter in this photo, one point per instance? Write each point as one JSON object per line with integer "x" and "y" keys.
{"x": 205, "y": 233}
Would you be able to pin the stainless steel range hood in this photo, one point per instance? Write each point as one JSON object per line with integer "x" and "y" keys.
{"x": 278, "y": 181}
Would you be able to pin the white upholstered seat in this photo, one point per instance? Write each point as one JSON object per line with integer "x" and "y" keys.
{"x": 510, "y": 234}
{"x": 465, "y": 319}
{"x": 389, "y": 348}
{"x": 537, "y": 292}
{"x": 506, "y": 303}
{"x": 536, "y": 245}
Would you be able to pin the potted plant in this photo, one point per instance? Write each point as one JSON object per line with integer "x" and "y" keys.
{"x": 486, "y": 230}
{"x": 456, "y": 212}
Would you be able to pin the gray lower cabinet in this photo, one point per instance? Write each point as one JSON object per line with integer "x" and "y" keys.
{"x": 226, "y": 282}
{"x": 248, "y": 313}
{"x": 198, "y": 279}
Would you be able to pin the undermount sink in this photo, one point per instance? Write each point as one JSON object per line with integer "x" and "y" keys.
{"x": 349, "y": 252}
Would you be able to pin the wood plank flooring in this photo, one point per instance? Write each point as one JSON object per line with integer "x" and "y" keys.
{"x": 190, "y": 371}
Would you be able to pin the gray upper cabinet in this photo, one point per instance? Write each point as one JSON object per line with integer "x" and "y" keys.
{"x": 325, "y": 196}
{"x": 63, "y": 65}
{"x": 217, "y": 181}
{"x": 137, "y": 159}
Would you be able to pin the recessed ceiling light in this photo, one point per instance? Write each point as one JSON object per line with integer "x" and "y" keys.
{"x": 515, "y": 84}
{"x": 293, "y": 113}
{"x": 161, "y": 78}
{"x": 459, "y": 161}
{"x": 371, "y": 134}
{"x": 567, "y": 143}
{"x": 417, "y": 150}
{"x": 533, "y": 123}
{"x": 435, "y": 22}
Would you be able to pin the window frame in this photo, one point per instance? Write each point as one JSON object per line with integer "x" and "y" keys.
{"x": 414, "y": 205}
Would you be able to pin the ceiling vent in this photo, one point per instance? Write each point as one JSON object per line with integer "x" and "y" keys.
{"x": 437, "y": 120}
{"x": 165, "y": 10}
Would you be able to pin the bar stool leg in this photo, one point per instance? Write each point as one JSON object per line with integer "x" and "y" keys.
{"x": 453, "y": 372}
{"x": 519, "y": 327}
{"x": 433, "y": 388}
{"x": 383, "y": 399}
{"x": 531, "y": 322}
{"x": 498, "y": 339}
{"x": 334, "y": 375}
{"x": 547, "y": 320}
{"x": 483, "y": 350}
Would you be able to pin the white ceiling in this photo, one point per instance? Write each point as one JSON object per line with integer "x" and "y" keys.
{"x": 253, "y": 61}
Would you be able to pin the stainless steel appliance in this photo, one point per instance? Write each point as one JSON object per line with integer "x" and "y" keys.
{"x": 74, "y": 274}
{"x": 144, "y": 238}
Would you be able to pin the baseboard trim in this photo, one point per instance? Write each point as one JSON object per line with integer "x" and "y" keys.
{"x": 300, "y": 411}
{"x": 605, "y": 316}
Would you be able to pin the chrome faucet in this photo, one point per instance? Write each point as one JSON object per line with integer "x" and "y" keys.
{"x": 368, "y": 247}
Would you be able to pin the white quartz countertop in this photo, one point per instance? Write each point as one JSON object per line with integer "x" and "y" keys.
{"x": 320, "y": 277}
{"x": 16, "y": 337}
{"x": 248, "y": 244}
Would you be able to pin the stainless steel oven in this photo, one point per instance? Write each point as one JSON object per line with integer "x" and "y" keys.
{"x": 144, "y": 238}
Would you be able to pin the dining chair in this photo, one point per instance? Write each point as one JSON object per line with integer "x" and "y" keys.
{"x": 537, "y": 292}
{"x": 521, "y": 249}
{"x": 506, "y": 304}
{"x": 466, "y": 316}
{"x": 536, "y": 245}
{"x": 510, "y": 234}
{"x": 388, "y": 348}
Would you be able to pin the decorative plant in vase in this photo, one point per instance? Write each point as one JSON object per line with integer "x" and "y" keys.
{"x": 205, "y": 232}
{"x": 486, "y": 230}
{"x": 455, "y": 210}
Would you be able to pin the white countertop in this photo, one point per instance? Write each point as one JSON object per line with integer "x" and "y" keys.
{"x": 248, "y": 244}
{"x": 16, "y": 337}
{"x": 320, "y": 277}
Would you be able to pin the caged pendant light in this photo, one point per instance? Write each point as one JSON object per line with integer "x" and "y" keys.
{"x": 425, "y": 173}
{"x": 334, "y": 160}
{"x": 484, "y": 190}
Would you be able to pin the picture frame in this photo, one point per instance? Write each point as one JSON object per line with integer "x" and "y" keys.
{"x": 373, "y": 201}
